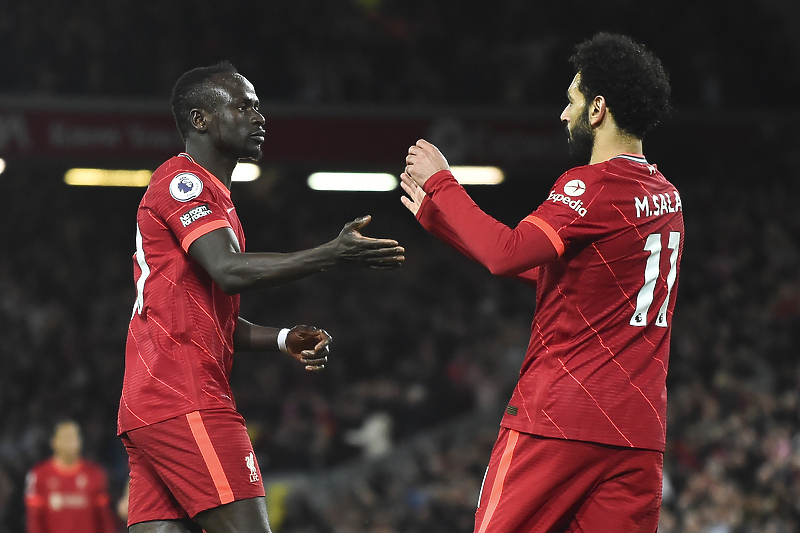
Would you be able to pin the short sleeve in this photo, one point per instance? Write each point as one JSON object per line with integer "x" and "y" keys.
{"x": 190, "y": 205}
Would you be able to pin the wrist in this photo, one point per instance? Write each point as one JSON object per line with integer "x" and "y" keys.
{"x": 282, "y": 334}
{"x": 436, "y": 178}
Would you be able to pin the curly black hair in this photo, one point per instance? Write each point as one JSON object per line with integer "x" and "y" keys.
{"x": 192, "y": 91}
{"x": 632, "y": 80}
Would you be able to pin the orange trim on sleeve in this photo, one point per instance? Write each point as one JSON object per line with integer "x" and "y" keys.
{"x": 210, "y": 457}
{"x": 555, "y": 240}
{"x": 202, "y": 230}
{"x": 500, "y": 478}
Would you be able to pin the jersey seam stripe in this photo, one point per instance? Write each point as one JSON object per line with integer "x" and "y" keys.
{"x": 202, "y": 230}
{"x": 613, "y": 358}
{"x": 209, "y": 355}
{"x": 595, "y": 402}
{"x": 141, "y": 358}
{"x": 156, "y": 219}
{"x": 614, "y": 274}
{"x": 131, "y": 411}
{"x": 554, "y": 423}
{"x": 216, "y": 329}
{"x": 210, "y": 457}
{"x": 499, "y": 480}
{"x": 551, "y": 234}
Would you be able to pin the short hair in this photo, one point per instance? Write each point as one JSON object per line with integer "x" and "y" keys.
{"x": 630, "y": 77}
{"x": 192, "y": 91}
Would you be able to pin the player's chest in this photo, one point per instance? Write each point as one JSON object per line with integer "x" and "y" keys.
{"x": 67, "y": 492}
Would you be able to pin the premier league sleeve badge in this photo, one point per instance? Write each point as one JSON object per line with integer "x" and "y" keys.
{"x": 185, "y": 186}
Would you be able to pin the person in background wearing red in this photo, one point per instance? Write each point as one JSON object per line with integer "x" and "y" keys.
{"x": 67, "y": 493}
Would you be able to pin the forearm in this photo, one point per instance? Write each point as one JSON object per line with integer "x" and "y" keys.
{"x": 239, "y": 272}
{"x": 431, "y": 218}
{"x": 248, "y": 337}
{"x": 504, "y": 251}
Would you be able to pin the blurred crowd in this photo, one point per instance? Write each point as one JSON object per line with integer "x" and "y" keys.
{"x": 437, "y": 341}
{"x": 391, "y": 51}
{"x": 423, "y": 358}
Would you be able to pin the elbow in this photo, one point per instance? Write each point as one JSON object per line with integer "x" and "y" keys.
{"x": 226, "y": 279}
{"x": 501, "y": 270}
{"x": 229, "y": 284}
{"x": 229, "y": 288}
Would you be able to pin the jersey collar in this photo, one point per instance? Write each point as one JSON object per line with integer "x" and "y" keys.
{"x": 636, "y": 158}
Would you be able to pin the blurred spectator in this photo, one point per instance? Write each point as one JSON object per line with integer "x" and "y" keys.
{"x": 67, "y": 493}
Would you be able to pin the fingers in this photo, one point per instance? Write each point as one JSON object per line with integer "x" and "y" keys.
{"x": 411, "y": 187}
{"x": 358, "y": 223}
{"x": 410, "y": 205}
{"x": 315, "y": 358}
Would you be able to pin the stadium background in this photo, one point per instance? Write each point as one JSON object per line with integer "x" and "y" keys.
{"x": 424, "y": 357}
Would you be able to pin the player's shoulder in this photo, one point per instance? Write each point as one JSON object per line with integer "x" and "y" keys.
{"x": 577, "y": 181}
{"x": 179, "y": 179}
{"x": 42, "y": 466}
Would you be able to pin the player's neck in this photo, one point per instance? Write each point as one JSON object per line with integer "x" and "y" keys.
{"x": 66, "y": 463}
{"x": 610, "y": 144}
{"x": 220, "y": 167}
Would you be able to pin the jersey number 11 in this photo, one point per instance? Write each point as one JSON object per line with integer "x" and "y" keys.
{"x": 652, "y": 271}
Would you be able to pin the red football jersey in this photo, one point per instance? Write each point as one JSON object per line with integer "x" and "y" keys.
{"x": 596, "y": 365}
{"x": 70, "y": 499}
{"x": 179, "y": 350}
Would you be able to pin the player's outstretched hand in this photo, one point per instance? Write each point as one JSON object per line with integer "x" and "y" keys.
{"x": 309, "y": 345}
{"x": 379, "y": 254}
{"x": 423, "y": 161}
{"x": 415, "y": 193}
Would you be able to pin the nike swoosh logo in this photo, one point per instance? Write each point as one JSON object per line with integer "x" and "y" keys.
{"x": 231, "y": 209}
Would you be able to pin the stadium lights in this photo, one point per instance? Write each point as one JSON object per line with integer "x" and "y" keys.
{"x": 2, "y": 165}
{"x": 101, "y": 177}
{"x": 478, "y": 175}
{"x": 246, "y": 172}
{"x": 378, "y": 181}
{"x": 352, "y": 181}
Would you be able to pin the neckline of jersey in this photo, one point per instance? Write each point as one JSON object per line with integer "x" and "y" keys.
{"x": 216, "y": 180}
{"x": 636, "y": 158}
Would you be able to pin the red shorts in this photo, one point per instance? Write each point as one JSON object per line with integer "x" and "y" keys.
{"x": 188, "y": 464}
{"x": 537, "y": 485}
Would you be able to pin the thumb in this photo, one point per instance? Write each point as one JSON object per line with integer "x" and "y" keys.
{"x": 359, "y": 223}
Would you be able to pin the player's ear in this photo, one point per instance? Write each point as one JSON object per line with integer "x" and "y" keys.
{"x": 198, "y": 119}
{"x": 597, "y": 110}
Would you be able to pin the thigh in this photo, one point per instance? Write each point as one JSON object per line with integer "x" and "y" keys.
{"x": 628, "y": 498}
{"x": 242, "y": 515}
{"x": 204, "y": 458}
{"x": 166, "y": 526}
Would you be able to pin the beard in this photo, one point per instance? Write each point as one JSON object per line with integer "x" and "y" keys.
{"x": 581, "y": 138}
{"x": 253, "y": 153}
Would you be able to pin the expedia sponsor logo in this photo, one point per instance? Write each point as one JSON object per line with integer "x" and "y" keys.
{"x": 575, "y": 205}
{"x": 195, "y": 213}
{"x": 574, "y": 188}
